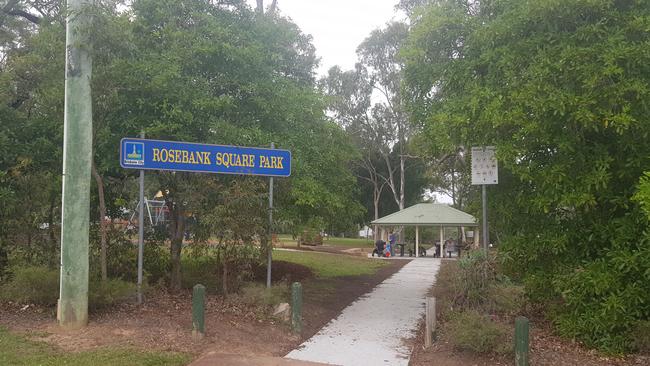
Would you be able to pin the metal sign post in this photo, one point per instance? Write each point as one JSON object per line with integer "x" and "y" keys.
{"x": 485, "y": 170}
{"x": 270, "y": 244}
{"x": 141, "y": 233}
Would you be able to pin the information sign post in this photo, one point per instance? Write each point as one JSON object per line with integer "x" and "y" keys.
{"x": 485, "y": 170}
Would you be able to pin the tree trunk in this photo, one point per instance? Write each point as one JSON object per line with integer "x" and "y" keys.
{"x": 401, "y": 183}
{"x": 224, "y": 276}
{"x": 177, "y": 228}
{"x": 260, "y": 7}
{"x": 102, "y": 223}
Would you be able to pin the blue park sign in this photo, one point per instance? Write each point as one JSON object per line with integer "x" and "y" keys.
{"x": 202, "y": 158}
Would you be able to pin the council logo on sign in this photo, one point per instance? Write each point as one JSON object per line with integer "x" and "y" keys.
{"x": 134, "y": 153}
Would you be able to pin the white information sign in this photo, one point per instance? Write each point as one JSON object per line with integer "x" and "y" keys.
{"x": 485, "y": 169}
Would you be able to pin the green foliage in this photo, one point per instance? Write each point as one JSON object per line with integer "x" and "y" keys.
{"x": 19, "y": 351}
{"x": 32, "y": 285}
{"x": 603, "y": 301}
{"x": 559, "y": 87}
{"x": 641, "y": 336}
{"x": 190, "y": 70}
{"x": 40, "y": 285}
{"x": 476, "y": 275}
{"x": 258, "y": 294}
{"x": 200, "y": 270}
{"x": 507, "y": 298}
{"x": 112, "y": 291}
{"x": 471, "y": 331}
{"x": 477, "y": 285}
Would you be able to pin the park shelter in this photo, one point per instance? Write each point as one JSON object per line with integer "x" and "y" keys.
{"x": 426, "y": 214}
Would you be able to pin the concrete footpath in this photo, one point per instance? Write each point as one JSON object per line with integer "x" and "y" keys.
{"x": 220, "y": 359}
{"x": 373, "y": 329}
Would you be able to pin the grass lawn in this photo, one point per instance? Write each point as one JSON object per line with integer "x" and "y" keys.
{"x": 327, "y": 265}
{"x": 19, "y": 351}
{"x": 287, "y": 241}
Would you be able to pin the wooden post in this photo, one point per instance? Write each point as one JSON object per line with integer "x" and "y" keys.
{"x": 198, "y": 311}
{"x": 296, "y": 307}
{"x": 521, "y": 341}
{"x": 430, "y": 321}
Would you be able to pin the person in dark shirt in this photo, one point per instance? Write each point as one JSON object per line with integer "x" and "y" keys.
{"x": 379, "y": 248}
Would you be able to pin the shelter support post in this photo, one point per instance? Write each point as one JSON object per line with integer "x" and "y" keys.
{"x": 417, "y": 241}
{"x": 442, "y": 241}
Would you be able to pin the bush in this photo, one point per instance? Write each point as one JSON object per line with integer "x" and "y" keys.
{"x": 257, "y": 294}
{"x": 102, "y": 294}
{"x": 476, "y": 275}
{"x": 506, "y": 298}
{"x": 602, "y": 302}
{"x": 40, "y": 286}
{"x": 203, "y": 270}
{"x": 32, "y": 285}
{"x": 122, "y": 256}
{"x": 641, "y": 336}
{"x": 477, "y": 333}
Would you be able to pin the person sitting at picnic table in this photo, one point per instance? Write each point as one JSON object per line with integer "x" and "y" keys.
{"x": 379, "y": 248}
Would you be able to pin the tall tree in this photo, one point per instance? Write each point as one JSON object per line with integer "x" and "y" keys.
{"x": 390, "y": 125}
{"x": 559, "y": 89}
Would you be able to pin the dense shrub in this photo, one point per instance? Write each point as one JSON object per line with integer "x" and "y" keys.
{"x": 204, "y": 264}
{"x": 122, "y": 256}
{"x": 641, "y": 336}
{"x": 476, "y": 275}
{"x": 32, "y": 285}
{"x": 472, "y": 331}
{"x": 103, "y": 294}
{"x": 506, "y": 298}
{"x": 602, "y": 302}
{"x": 40, "y": 285}
{"x": 258, "y": 294}
{"x": 200, "y": 270}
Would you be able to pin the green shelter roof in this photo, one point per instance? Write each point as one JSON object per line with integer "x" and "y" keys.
{"x": 431, "y": 214}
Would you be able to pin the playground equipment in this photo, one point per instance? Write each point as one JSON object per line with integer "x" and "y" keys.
{"x": 156, "y": 212}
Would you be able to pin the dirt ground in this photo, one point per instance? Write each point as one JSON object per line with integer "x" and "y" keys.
{"x": 163, "y": 322}
{"x": 546, "y": 349}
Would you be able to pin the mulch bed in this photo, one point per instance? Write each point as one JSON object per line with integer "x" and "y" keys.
{"x": 163, "y": 322}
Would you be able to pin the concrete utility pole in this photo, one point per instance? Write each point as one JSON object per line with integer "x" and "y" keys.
{"x": 72, "y": 311}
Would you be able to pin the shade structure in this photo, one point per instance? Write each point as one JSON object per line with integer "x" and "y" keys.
{"x": 428, "y": 214}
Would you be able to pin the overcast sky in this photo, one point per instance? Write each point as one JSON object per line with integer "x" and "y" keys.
{"x": 338, "y": 26}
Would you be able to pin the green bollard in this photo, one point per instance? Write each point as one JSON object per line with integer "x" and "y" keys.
{"x": 198, "y": 311}
{"x": 296, "y": 307}
{"x": 521, "y": 341}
